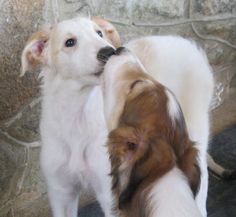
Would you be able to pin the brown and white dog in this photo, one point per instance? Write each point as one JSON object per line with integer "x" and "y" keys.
{"x": 182, "y": 66}
{"x": 155, "y": 170}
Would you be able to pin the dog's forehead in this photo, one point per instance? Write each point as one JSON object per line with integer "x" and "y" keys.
{"x": 73, "y": 26}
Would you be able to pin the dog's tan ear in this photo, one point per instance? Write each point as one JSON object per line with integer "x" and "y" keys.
{"x": 32, "y": 54}
{"x": 154, "y": 161}
{"x": 109, "y": 30}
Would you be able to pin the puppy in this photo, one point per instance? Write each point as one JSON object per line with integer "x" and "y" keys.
{"x": 154, "y": 163}
{"x": 73, "y": 131}
{"x": 182, "y": 66}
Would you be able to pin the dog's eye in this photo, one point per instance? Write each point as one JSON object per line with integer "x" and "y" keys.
{"x": 131, "y": 146}
{"x": 70, "y": 42}
{"x": 99, "y": 33}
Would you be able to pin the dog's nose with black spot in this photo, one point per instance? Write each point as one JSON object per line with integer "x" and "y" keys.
{"x": 104, "y": 53}
{"x": 121, "y": 50}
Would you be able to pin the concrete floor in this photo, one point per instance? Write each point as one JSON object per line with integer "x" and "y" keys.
{"x": 222, "y": 193}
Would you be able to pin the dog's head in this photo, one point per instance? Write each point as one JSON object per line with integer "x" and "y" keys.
{"x": 148, "y": 135}
{"x": 70, "y": 48}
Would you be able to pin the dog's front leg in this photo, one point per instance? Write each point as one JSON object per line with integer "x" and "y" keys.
{"x": 100, "y": 180}
{"x": 64, "y": 202}
{"x": 105, "y": 200}
{"x": 62, "y": 185}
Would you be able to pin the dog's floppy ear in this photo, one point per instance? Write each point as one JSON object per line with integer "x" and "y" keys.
{"x": 154, "y": 160}
{"x": 123, "y": 144}
{"x": 32, "y": 54}
{"x": 109, "y": 30}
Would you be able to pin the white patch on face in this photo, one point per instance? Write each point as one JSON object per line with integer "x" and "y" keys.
{"x": 173, "y": 106}
{"x": 80, "y": 60}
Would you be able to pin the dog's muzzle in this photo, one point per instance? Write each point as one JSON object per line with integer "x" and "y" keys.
{"x": 121, "y": 50}
{"x": 105, "y": 53}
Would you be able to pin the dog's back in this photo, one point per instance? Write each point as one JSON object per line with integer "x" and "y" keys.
{"x": 181, "y": 66}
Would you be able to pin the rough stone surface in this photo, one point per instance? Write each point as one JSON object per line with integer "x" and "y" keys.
{"x": 214, "y": 7}
{"x": 145, "y": 9}
{"x": 21, "y": 181}
{"x": 31, "y": 206}
{"x": 16, "y": 18}
{"x": 26, "y": 127}
{"x": 211, "y": 23}
{"x": 12, "y": 157}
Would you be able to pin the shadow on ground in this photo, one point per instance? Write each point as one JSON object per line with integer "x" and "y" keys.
{"x": 222, "y": 194}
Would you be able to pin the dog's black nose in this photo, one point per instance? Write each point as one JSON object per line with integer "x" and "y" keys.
{"x": 120, "y": 50}
{"x": 104, "y": 53}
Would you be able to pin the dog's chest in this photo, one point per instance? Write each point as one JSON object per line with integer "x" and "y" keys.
{"x": 75, "y": 120}
{"x": 73, "y": 111}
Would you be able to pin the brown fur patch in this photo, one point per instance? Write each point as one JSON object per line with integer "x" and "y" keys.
{"x": 145, "y": 121}
{"x": 33, "y": 57}
{"x": 40, "y": 35}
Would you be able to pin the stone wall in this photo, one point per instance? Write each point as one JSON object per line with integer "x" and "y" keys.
{"x": 212, "y": 23}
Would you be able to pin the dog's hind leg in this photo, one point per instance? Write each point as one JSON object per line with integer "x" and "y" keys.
{"x": 64, "y": 202}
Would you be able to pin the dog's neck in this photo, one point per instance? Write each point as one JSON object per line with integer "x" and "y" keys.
{"x": 82, "y": 85}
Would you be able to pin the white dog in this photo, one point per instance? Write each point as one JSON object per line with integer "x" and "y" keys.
{"x": 73, "y": 129}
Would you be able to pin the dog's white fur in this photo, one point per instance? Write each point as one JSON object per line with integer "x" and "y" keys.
{"x": 73, "y": 129}
{"x": 171, "y": 196}
{"x": 183, "y": 67}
